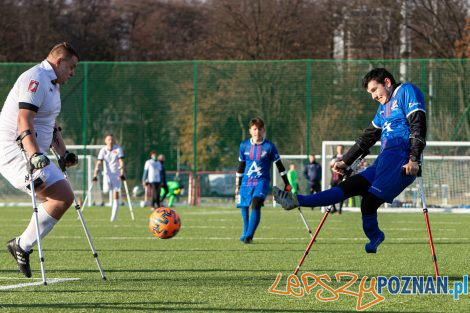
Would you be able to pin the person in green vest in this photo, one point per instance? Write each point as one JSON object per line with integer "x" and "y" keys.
{"x": 174, "y": 189}
{"x": 292, "y": 177}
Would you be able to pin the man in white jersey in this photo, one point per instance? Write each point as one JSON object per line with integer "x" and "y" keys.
{"x": 112, "y": 158}
{"x": 29, "y": 117}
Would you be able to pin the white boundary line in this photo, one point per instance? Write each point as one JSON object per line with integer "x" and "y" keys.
{"x": 49, "y": 281}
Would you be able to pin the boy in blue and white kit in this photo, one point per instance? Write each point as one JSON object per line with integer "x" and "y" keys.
{"x": 253, "y": 178}
{"x": 400, "y": 124}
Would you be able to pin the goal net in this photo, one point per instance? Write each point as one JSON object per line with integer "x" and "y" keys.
{"x": 446, "y": 174}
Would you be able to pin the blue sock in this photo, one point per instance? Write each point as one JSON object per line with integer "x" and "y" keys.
{"x": 370, "y": 225}
{"x": 254, "y": 221}
{"x": 244, "y": 211}
{"x": 324, "y": 198}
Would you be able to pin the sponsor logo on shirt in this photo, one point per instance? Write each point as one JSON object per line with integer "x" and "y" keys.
{"x": 254, "y": 169}
{"x": 33, "y": 85}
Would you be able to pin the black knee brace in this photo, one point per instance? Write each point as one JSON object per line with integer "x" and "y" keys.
{"x": 370, "y": 203}
{"x": 354, "y": 186}
{"x": 257, "y": 203}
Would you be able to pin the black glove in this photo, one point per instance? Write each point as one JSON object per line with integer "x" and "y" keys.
{"x": 67, "y": 160}
{"x": 95, "y": 178}
{"x": 38, "y": 160}
{"x": 123, "y": 177}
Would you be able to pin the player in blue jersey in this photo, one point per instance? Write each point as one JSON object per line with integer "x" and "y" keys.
{"x": 253, "y": 176}
{"x": 400, "y": 124}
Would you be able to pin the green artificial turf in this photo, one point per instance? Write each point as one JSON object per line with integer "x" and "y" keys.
{"x": 205, "y": 268}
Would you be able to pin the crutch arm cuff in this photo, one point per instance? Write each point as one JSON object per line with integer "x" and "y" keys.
{"x": 21, "y": 136}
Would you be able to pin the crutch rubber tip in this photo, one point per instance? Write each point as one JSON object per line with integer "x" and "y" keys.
{"x": 45, "y": 283}
{"x": 104, "y": 278}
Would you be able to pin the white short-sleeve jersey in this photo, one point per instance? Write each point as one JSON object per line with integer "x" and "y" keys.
{"x": 110, "y": 159}
{"x": 154, "y": 169}
{"x": 35, "y": 91}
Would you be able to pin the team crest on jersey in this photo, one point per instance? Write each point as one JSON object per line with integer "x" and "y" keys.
{"x": 263, "y": 153}
{"x": 394, "y": 105}
{"x": 33, "y": 85}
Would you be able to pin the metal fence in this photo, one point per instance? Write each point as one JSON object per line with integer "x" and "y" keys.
{"x": 196, "y": 112}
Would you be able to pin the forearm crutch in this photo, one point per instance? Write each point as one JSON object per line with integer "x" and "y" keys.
{"x": 79, "y": 212}
{"x": 87, "y": 194}
{"x": 347, "y": 173}
{"x": 428, "y": 226}
{"x": 305, "y": 222}
{"x": 35, "y": 209}
{"x": 129, "y": 200}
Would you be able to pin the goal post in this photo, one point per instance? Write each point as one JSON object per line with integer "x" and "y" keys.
{"x": 81, "y": 176}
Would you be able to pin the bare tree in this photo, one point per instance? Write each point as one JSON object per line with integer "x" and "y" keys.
{"x": 267, "y": 29}
{"x": 436, "y": 27}
{"x": 161, "y": 30}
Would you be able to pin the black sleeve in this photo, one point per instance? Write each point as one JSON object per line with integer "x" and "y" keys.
{"x": 418, "y": 129}
{"x": 368, "y": 138}
{"x": 240, "y": 171}
{"x": 282, "y": 171}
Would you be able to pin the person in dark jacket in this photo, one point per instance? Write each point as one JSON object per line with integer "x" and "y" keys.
{"x": 312, "y": 172}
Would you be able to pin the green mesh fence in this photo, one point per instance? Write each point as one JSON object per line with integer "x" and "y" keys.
{"x": 196, "y": 112}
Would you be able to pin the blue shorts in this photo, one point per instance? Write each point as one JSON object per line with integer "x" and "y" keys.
{"x": 385, "y": 174}
{"x": 258, "y": 188}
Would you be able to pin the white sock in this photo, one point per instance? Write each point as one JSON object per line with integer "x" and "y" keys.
{"x": 114, "y": 209}
{"x": 28, "y": 239}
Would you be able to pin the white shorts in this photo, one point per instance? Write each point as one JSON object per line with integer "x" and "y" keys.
{"x": 111, "y": 182}
{"x": 16, "y": 173}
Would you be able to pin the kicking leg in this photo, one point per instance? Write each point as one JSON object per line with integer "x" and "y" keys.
{"x": 353, "y": 186}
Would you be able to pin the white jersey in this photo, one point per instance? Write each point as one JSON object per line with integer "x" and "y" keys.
{"x": 154, "y": 169}
{"x": 33, "y": 90}
{"x": 110, "y": 159}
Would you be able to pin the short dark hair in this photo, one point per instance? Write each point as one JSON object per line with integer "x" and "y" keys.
{"x": 64, "y": 49}
{"x": 256, "y": 121}
{"x": 378, "y": 74}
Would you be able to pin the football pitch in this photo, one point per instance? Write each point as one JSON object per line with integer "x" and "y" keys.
{"x": 205, "y": 268}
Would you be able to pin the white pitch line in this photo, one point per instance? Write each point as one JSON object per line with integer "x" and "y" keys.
{"x": 50, "y": 281}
